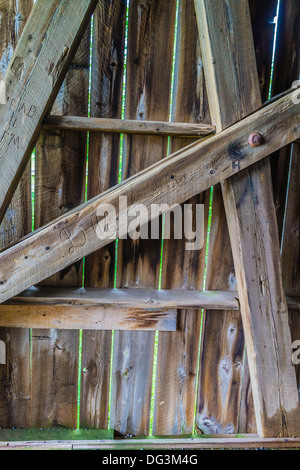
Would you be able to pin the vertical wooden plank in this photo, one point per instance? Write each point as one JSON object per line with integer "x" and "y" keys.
{"x": 220, "y": 387}
{"x": 177, "y": 360}
{"x": 60, "y": 186}
{"x": 263, "y": 27}
{"x": 150, "y": 44}
{"x": 286, "y": 71}
{"x": 291, "y": 245}
{"x": 15, "y": 375}
{"x": 104, "y": 149}
{"x": 285, "y": 164}
{"x": 233, "y": 84}
{"x": 222, "y": 342}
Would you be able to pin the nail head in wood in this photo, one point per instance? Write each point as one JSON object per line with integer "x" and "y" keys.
{"x": 256, "y": 139}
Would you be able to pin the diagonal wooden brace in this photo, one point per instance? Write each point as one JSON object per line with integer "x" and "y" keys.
{"x": 171, "y": 181}
{"x": 32, "y": 81}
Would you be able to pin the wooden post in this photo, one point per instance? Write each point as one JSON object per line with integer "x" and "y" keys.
{"x": 233, "y": 90}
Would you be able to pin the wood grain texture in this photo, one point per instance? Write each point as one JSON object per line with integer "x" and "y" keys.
{"x": 250, "y": 209}
{"x": 143, "y": 299}
{"x": 127, "y": 126}
{"x": 150, "y": 43}
{"x": 88, "y": 318}
{"x": 103, "y": 172}
{"x": 290, "y": 244}
{"x": 222, "y": 338}
{"x": 50, "y": 39}
{"x": 286, "y": 71}
{"x": 59, "y": 186}
{"x": 263, "y": 27}
{"x": 249, "y": 442}
{"x": 176, "y": 377}
{"x": 15, "y": 375}
{"x": 173, "y": 180}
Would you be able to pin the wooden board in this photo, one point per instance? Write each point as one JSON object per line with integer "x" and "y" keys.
{"x": 169, "y": 444}
{"x": 177, "y": 360}
{"x": 249, "y": 209}
{"x": 89, "y": 318}
{"x": 143, "y": 299}
{"x": 148, "y": 88}
{"x": 263, "y": 27}
{"x": 50, "y": 39}
{"x": 172, "y": 180}
{"x": 103, "y": 171}
{"x": 59, "y": 186}
{"x": 128, "y": 126}
{"x": 15, "y": 375}
{"x": 290, "y": 245}
{"x": 286, "y": 71}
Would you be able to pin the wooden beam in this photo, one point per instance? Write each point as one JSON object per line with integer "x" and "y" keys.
{"x": 82, "y": 442}
{"x": 173, "y": 180}
{"x": 233, "y": 90}
{"x": 32, "y": 81}
{"x": 142, "y": 299}
{"x": 113, "y": 309}
{"x": 88, "y": 318}
{"x": 126, "y": 126}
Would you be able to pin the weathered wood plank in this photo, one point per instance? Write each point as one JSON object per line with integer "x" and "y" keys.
{"x": 150, "y": 44}
{"x": 49, "y": 39}
{"x": 177, "y": 361}
{"x": 15, "y": 375}
{"x": 233, "y": 84}
{"x": 127, "y": 298}
{"x": 172, "y": 180}
{"x": 222, "y": 337}
{"x": 103, "y": 172}
{"x": 290, "y": 244}
{"x": 286, "y": 71}
{"x": 263, "y": 27}
{"x": 59, "y": 186}
{"x": 227, "y": 442}
{"x": 128, "y": 126}
{"x": 88, "y": 318}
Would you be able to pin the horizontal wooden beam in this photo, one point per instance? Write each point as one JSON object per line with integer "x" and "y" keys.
{"x": 175, "y": 179}
{"x": 250, "y": 441}
{"x": 112, "y": 309}
{"x": 32, "y": 81}
{"x": 125, "y": 126}
{"x": 84, "y": 310}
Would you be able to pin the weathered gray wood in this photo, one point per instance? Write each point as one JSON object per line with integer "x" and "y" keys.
{"x": 103, "y": 171}
{"x": 32, "y": 80}
{"x": 233, "y": 83}
{"x": 177, "y": 353}
{"x": 142, "y": 299}
{"x": 15, "y": 374}
{"x": 127, "y": 126}
{"x": 59, "y": 186}
{"x": 173, "y": 180}
{"x": 151, "y": 25}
